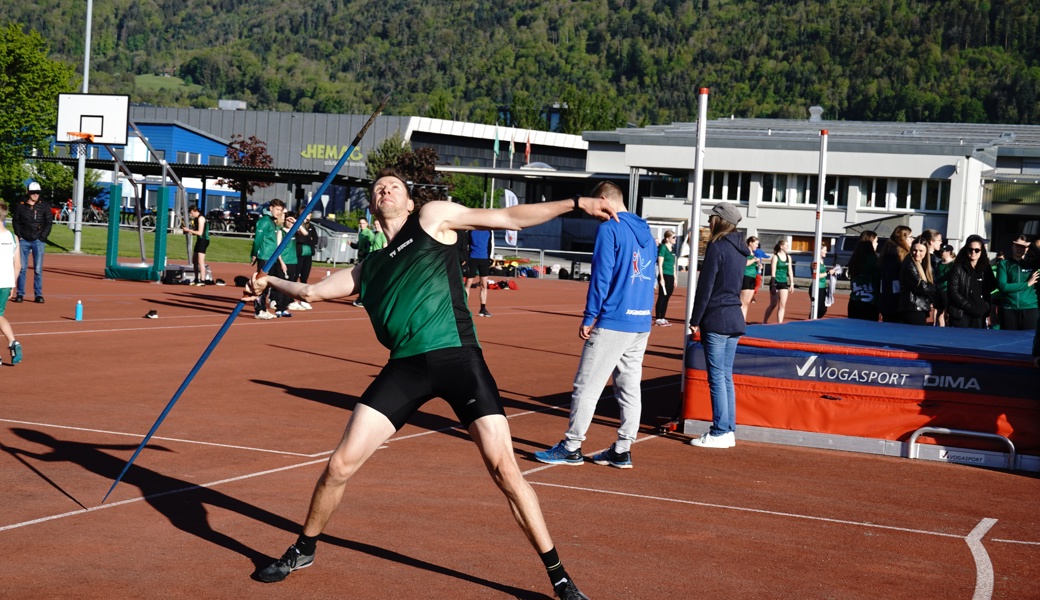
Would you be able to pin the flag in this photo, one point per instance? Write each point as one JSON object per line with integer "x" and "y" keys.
{"x": 511, "y": 148}
{"x": 527, "y": 151}
{"x": 496, "y": 141}
{"x": 510, "y": 200}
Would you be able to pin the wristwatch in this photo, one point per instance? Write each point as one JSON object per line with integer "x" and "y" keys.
{"x": 576, "y": 197}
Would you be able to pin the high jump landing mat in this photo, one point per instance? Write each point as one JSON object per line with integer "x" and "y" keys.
{"x": 957, "y": 395}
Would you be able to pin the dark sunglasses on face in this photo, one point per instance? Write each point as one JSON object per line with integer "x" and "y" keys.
{"x": 974, "y": 250}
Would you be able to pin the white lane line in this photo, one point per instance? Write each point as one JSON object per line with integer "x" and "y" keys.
{"x": 159, "y": 495}
{"x": 139, "y": 436}
{"x": 983, "y": 566}
{"x": 750, "y": 510}
{"x": 1015, "y": 542}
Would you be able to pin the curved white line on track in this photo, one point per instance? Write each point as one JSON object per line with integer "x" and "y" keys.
{"x": 983, "y": 566}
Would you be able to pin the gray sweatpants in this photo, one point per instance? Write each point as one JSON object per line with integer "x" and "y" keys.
{"x": 608, "y": 352}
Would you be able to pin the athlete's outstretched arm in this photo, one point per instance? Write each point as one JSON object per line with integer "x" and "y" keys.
{"x": 446, "y": 216}
{"x": 338, "y": 285}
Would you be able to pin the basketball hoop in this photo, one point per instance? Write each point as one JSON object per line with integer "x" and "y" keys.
{"x": 88, "y": 138}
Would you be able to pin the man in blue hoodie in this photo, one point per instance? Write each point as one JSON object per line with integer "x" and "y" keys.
{"x": 615, "y": 328}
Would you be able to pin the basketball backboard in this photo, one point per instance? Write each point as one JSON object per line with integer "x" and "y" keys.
{"x": 104, "y": 116}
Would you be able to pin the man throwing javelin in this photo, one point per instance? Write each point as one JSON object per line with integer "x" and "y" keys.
{"x": 412, "y": 291}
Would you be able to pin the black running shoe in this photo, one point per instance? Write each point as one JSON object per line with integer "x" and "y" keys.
{"x": 619, "y": 460}
{"x": 291, "y": 561}
{"x": 566, "y": 590}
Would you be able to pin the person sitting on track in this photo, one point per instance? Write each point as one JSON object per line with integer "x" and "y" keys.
{"x": 412, "y": 292}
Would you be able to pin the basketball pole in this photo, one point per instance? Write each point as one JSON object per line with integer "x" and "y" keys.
{"x": 241, "y": 303}
{"x": 81, "y": 174}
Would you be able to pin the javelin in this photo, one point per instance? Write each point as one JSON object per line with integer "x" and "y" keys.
{"x": 238, "y": 308}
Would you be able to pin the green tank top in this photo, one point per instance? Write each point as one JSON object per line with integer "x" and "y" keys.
{"x": 205, "y": 230}
{"x": 781, "y": 271}
{"x": 413, "y": 293}
{"x": 752, "y": 269}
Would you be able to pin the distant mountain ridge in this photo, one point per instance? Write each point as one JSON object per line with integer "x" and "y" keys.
{"x": 610, "y": 62}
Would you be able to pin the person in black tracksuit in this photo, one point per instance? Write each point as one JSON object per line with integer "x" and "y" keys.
{"x": 970, "y": 286}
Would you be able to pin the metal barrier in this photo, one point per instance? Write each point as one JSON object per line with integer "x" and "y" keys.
{"x": 932, "y": 431}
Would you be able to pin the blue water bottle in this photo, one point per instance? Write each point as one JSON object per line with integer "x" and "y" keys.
{"x": 79, "y": 310}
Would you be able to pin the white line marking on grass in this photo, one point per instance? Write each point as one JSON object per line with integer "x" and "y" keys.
{"x": 159, "y": 495}
{"x": 983, "y": 566}
{"x": 167, "y": 439}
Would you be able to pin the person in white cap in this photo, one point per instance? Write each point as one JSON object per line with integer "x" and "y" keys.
{"x": 717, "y": 317}
{"x": 32, "y": 222}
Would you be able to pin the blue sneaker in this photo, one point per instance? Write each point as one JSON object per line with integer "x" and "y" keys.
{"x": 559, "y": 455}
{"x": 16, "y": 353}
{"x": 619, "y": 460}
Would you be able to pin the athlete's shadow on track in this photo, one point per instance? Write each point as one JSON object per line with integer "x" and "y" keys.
{"x": 198, "y": 302}
{"x": 184, "y": 504}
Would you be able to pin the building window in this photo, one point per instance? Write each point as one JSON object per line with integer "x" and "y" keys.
{"x": 733, "y": 186}
{"x": 188, "y": 158}
{"x": 157, "y": 156}
{"x": 774, "y": 188}
{"x": 837, "y": 192}
{"x": 873, "y": 192}
{"x": 804, "y": 189}
{"x": 905, "y": 194}
{"x": 217, "y": 160}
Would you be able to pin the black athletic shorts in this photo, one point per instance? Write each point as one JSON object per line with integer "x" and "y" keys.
{"x": 480, "y": 266}
{"x": 749, "y": 283}
{"x": 200, "y": 245}
{"x": 459, "y": 375}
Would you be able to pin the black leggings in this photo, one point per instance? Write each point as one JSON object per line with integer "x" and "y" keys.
{"x": 303, "y": 268}
{"x": 662, "y": 297}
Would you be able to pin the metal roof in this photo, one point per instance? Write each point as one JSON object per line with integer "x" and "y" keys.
{"x": 182, "y": 170}
{"x": 958, "y": 139}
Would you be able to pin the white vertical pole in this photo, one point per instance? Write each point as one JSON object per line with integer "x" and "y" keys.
{"x": 694, "y": 193}
{"x": 818, "y": 241}
{"x": 77, "y": 237}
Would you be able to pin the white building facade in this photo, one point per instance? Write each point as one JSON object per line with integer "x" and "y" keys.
{"x": 947, "y": 177}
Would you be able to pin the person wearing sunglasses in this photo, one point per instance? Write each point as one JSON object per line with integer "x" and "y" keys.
{"x": 971, "y": 285}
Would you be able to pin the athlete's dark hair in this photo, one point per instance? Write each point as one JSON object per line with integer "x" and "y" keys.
{"x": 608, "y": 190}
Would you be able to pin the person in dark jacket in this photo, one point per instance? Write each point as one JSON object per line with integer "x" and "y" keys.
{"x": 862, "y": 272}
{"x": 916, "y": 284}
{"x": 1016, "y": 280}
{"x": 717, "y": 317}
{"x": 306, "y": 241}
{"x": 32, "y": 222}
{"x": 970, "y": 285}
{"x": 890, "y": 262}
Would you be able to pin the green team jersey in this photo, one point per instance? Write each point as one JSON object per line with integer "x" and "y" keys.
{"x": 781, "y": 271}
{"x": 289, "y": 252}
{"x": 752, "y": 269}
{"x": 413, "y": 293}
{"x": 205, "y": 230}
{"x": 668, "y": 266}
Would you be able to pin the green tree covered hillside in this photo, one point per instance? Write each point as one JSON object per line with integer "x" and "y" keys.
{"x": 610, "y": 61}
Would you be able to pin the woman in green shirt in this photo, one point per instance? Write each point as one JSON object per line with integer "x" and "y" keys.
{"x": 782, "y": 282}
{"x": 747, "y": 288}
{"x": 665, "y": 277}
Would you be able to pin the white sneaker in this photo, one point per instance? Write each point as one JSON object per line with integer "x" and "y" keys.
{"x": 265, "y": 315}
{"x": 726, "y": 440}
{"x": 295, "y": 306}
{"x": 306, "y": 306}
